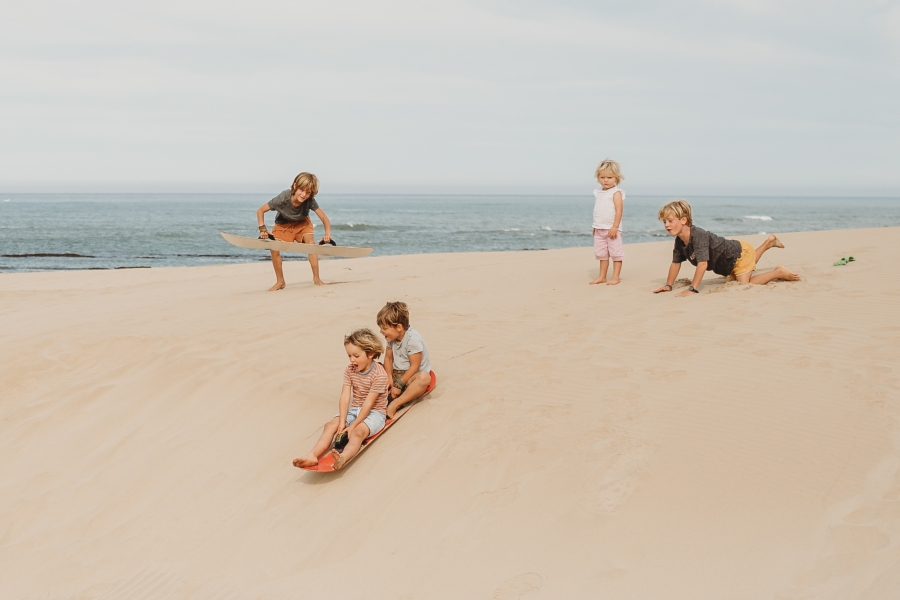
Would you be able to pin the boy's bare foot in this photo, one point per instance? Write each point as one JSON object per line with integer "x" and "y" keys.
{"x": 318, "y": 281}
{"x": 338, "y": 459}
{"x": 613, "y": 281}
{"x": 599, "y": 280}
{"x": 305, "y": 461}
{"x": 783, "y": 273}
{"x": 774, "y": 242}
{"x": 279, "y": 285}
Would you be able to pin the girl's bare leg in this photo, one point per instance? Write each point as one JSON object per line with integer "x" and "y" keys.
{"x": 604, "y": 267}
{"x": 313, "y": 260}
{"x": 359, "y": 434}
{"x": 279, "y": 274}
{"x": 771, "y": 242}
{"x": 321, "y": 446}
{"x": 617, "y": 270}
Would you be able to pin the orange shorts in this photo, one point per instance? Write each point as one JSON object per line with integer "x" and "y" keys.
{"x": 293, "y": 232}
{"x": 746, "y": 263}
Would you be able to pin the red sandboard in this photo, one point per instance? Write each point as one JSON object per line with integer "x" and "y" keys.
{"x": 326, "y": 461}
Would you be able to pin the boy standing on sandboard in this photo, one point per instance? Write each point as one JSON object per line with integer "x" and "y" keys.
{"x": 292, "y": 222}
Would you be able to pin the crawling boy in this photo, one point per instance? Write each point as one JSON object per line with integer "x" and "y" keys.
{"x": 706, "y": 250}
{"x": 406, "y": 358}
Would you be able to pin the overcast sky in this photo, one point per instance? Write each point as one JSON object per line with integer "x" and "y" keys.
{"x": 752, "y": 96}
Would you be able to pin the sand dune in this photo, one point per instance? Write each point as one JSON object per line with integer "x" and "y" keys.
{"x": 583, "y": 441}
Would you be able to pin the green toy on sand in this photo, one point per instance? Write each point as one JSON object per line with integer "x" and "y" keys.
{"x": 844, "y": 261}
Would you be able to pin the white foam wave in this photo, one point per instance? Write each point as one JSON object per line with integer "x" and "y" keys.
{"x": 758, "y": 217}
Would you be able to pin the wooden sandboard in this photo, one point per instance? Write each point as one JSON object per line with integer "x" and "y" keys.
{"x": 323, "y": 250}
{"x": 326, "y": 462}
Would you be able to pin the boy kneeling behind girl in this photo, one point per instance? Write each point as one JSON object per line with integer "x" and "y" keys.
{"x": 367, "y": 399}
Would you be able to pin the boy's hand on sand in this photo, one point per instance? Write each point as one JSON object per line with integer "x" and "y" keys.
{"x": 685, "y": 293}
{"x": 664, "y": 288}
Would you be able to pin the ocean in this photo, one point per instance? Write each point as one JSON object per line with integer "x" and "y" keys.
{"x": 42, "y": 232}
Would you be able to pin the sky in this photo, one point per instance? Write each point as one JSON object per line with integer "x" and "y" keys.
{"x": 742, "y": 96}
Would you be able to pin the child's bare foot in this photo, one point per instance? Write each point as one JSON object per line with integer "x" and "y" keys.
{"x": 338, "y": 459}
{"x": 783, "y": 273}
{"x": 774, "y": 242}
{"x": 613, "y": 281}
{"x": 279, "y": 285}
{"x": 306, "y": 461}
{"x": 599, "y": 280}
{"x": 318, "y": 281}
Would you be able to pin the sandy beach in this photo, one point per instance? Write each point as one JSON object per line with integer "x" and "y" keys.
{"x": 582, "y": 442}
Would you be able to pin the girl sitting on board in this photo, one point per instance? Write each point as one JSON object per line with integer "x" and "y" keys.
{"x": 364, "y": 400}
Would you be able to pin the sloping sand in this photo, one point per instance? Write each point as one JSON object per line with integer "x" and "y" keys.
{"x": 583, "y": 441}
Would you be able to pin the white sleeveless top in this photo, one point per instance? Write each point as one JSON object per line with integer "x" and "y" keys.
{"x": 605, "y": 209}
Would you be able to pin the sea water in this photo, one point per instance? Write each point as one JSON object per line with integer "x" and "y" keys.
{"x": 106, "y": 231}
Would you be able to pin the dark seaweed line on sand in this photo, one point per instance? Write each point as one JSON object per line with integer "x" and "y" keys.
{"x": 47, "y": 255}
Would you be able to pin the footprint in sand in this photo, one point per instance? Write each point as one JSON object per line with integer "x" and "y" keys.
{"x": 519, "y": 586}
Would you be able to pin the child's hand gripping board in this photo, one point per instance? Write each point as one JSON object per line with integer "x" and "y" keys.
{"x": 321, "y": 248}
{"x": 326, "y": 461}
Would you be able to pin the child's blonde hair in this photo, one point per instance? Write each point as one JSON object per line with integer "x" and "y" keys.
{"x": 365, "y": 340}
{"x": 677, "y": 208}
{"x": 393, "y": 314}
{"x": 306, "y": 182}
{"x": 611, "y": 167}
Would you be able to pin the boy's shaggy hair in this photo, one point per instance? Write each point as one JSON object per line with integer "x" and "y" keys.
{"x": 610, "y": 167}
{"x": 677, "y": 208}
{"x": 306, "y": 182}
{"x": 365, "y": 340}
{"x": 393, "y": 314}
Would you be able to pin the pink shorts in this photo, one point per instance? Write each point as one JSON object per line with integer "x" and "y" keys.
{"x": 604, "y": 248}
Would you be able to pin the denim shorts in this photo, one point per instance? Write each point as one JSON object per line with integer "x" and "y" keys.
{"x": 374, "y": 420}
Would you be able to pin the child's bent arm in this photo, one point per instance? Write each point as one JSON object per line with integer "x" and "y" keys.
{"x": 699, "y": 273}
{"x": 344, "y": 407}
{"x": 389, "y": 363}
{"x": 617, "y": 202}
{"x": 260, "y": 218}
{"x": 415, "y": 361}
{"x": 325, "y": 222}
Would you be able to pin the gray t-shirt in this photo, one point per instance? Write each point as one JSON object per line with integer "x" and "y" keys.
{"x": 411, "y": 343}
{"x": 287, "y": 212}
{"x": 719, "y": 253}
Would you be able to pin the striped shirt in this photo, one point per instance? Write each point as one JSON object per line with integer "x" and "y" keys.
{"x": 363, "y": 384}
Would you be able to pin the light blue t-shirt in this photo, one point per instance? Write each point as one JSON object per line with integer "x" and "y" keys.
{"x": 412, "y": 343}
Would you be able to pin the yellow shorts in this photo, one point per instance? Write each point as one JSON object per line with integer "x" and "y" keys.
{"x": 746, "y": 263}
{"x": 293, "y": 232}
